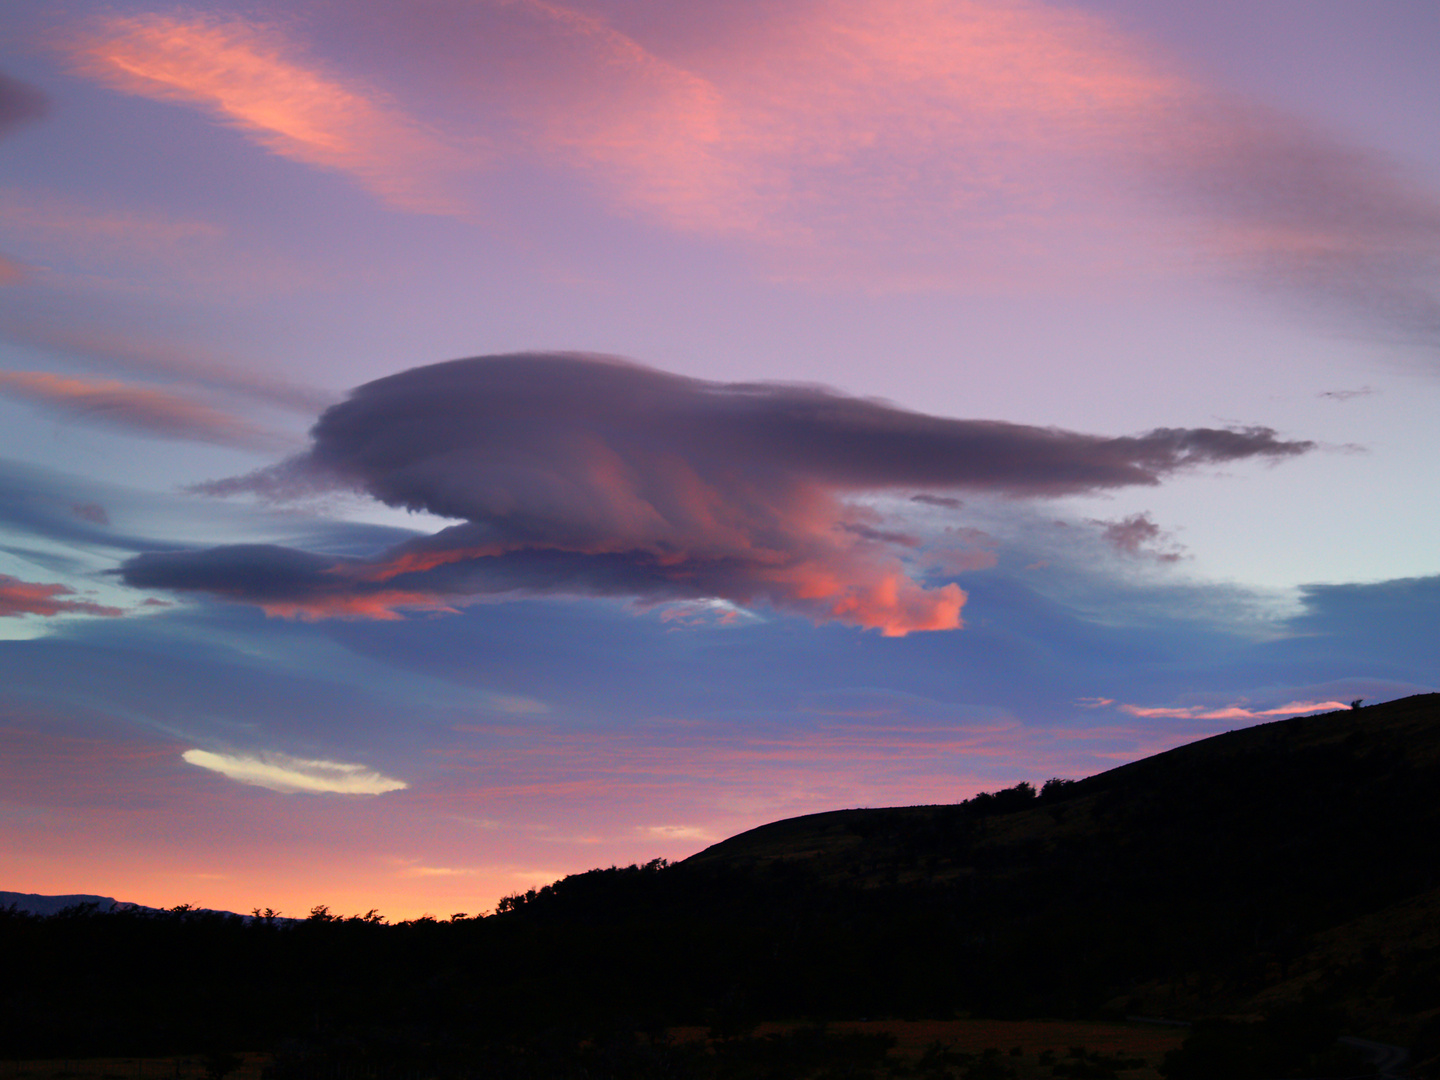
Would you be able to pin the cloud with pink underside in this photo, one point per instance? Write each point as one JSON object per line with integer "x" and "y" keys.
{"x": 581, "y": 475}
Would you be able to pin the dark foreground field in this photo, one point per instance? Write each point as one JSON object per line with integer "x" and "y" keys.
{"x": 1023, "y": 1049}
{"x": 1275, "y": 886}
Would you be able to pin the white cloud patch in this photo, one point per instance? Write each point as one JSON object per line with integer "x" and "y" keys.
{"x": 289, "y": 775}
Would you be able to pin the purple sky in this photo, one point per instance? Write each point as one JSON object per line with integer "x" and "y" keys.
{"x": 448, "y": 445}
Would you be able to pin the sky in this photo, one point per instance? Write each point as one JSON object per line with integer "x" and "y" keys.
{"x": 451, "y": 444}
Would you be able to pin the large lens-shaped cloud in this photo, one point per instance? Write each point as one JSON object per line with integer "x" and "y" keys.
{"x": 584, "y": 475}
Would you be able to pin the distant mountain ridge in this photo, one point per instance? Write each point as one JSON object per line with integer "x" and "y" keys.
{"x": 39, "y": 904}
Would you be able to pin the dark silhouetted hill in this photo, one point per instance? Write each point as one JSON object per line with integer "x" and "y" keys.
{"x": 1297, "y": 859}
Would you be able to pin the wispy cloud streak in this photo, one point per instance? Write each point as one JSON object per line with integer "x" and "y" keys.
{"x": 68, "y": 223}
{"x": 1328, "y": 220}
{"x": 140, "y": 410}
{"x": 130, "y": 353}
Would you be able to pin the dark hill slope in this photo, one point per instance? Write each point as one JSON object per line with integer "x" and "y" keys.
{"x": 1215, "y": 784}
{"x": 1298, "y": 856}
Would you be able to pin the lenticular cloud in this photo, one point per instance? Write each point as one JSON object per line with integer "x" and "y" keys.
{"x": 581, "y": 475}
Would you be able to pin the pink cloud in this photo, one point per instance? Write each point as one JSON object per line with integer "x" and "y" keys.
{"x": 257, "y": 80}
{"x": 913, "y": 142}
{"x": 142, "y": 410}
{"x": 887, "y": 143}
{"x": 923, "y": 137}
{"x": 943, "y": 140}
{"x": 32, "y": 598}
{"x": 138, "y": 354}
{"x": 1233, "y": 712}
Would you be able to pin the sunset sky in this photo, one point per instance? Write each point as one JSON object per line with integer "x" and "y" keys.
{"x": 449, "y": 444}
